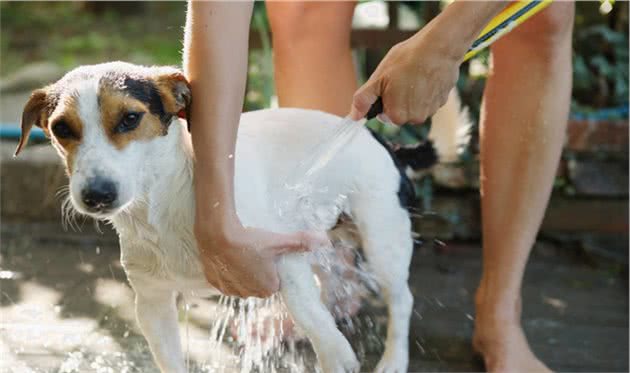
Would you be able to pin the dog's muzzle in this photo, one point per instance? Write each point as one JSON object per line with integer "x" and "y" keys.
{"x": 99, "y": 194}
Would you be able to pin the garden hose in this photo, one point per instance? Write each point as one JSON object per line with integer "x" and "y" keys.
{"x": 510, "y": 17}
{"x": 504, "y": 22}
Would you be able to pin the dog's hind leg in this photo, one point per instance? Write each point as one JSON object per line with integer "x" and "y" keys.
{"x": 157, "y": 316}
{"x": 385, "y": 230}
{"x": 302, "y": 298}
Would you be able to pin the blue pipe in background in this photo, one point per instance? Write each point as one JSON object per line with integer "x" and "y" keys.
{"x": 12, "y": 132}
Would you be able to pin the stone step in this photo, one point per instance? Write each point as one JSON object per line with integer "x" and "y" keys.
{"x": 32, "y": 190}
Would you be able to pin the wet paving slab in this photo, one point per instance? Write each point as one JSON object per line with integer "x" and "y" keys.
{"x": 66, "y": 307}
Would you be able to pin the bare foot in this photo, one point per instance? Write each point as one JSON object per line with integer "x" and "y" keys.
{"x": 504, "y": 348}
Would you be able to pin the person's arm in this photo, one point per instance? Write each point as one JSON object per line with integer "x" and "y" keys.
{"x": 237, "y": 260}
{"x": 415, "y": 77}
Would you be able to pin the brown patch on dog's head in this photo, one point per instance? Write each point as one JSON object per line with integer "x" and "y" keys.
{"x": 66, "y": 130}
{"x": 176, "y": 93}
{"x": 35, "y": 112}
{"x": 126, "y": 118}
{"x": 151, "y": 97}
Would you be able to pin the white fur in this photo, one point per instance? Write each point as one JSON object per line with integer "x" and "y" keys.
{"x": 154, "y": 218}
{"x": 450, "y": 128}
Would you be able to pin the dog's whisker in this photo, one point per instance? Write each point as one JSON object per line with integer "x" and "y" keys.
{"x": 63, "y": 191}
{"x": 97, "y": 226}
{"x": 69, "y": 215}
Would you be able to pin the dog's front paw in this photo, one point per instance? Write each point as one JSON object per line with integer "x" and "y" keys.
{"x": 342, "y": 366}
{"x": 394, "y": 363}
{"x": 342, "y": 360}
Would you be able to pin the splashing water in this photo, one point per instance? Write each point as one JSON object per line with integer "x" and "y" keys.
{"x": 325, "y": 150}
{"x": 256, "y": 326}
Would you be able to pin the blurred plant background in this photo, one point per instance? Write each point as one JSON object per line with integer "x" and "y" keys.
{"x": 62, "y": 35}
{"x": 73, "y": 33}
{"x": 65, "y": 304}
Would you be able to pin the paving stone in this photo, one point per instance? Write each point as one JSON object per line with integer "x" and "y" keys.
{"x": 586, "y": 215}
{"x": 30, "y": 183}
{"x": 591, "y": 136}
{"x": 575, "y": 315}
{"x": 592, "y": 177}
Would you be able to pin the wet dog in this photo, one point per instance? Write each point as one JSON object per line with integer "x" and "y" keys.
{"x": 128, "y": 156}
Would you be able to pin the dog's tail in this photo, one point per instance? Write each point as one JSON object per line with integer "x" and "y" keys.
{"x": 449, "y": 134}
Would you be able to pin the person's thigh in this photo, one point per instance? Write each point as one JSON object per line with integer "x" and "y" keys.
{"x": 313, "y": 19}
{"x": 313, "y": 63}
{"x": 543, "y": 32}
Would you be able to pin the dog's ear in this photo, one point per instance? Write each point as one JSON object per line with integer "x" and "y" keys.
{"x": 176, "y": 88}
{"x": 34, "y": 113}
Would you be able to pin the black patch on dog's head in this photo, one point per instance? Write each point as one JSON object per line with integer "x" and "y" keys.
{"x": 145, "y": 91}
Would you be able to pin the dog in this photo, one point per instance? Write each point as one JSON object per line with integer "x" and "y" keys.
{"x": 128, "y": 156}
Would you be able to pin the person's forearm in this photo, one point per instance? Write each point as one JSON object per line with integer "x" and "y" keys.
{"x": 456, "y": 28}
{"x": 215, "y": 62}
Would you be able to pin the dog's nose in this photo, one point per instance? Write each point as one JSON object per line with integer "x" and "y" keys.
{"x": 99, "y": 193}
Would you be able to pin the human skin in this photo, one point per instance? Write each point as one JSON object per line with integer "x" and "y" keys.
{"x": 523, "y": 124}
{"x": 215, "y": 63}
{"x": 313, "y": 67}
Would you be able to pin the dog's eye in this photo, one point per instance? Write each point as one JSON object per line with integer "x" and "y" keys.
{"x": 129, "y": 122}
{"x": 62, "y": 130}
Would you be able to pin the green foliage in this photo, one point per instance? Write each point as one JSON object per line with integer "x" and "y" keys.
{"x": 600, "y": 67}
{"x": 260, "y": 83}
{"x": 72, "y": 33}
{"x": 69, "y": 34}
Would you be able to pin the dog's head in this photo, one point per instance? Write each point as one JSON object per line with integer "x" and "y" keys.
{"x": 106, "y": 121}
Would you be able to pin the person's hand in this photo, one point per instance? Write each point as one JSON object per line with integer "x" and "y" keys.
{"x": 241, "y": 261}
{"x": 413, "y": 80}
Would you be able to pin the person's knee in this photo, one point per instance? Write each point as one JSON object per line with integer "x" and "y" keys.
{"x": 325, "y": 22}
{"x": 545, "y": 31}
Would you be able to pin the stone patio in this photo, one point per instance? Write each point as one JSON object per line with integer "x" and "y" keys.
{"x": 66, "y": 307}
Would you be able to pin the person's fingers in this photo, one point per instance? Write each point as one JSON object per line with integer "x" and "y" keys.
{"x": 363, "y": 99}
{"x": 265, "y": 281}
{"x": 418, "y": 116}
{"x": 272, "y": 286}
{"x": 260, "y": 292}
{"x": 299, "y": 242}
{"x": 395, "y": 105}
{"x": 383, "y": 118}
{"x": 230, "y": 290}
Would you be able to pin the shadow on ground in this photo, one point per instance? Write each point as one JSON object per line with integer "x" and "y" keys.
{"x": 66, "y": 307}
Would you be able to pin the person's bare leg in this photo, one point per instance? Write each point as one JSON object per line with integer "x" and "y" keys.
{"x": 524, "y": 115}
{"x": 312, "y": 58}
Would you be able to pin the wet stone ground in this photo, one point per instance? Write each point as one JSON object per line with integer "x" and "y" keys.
{"x": 66, "y": 307}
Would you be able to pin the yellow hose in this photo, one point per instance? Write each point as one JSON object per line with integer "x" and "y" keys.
{"x": 510, "y": 17}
